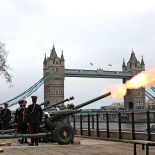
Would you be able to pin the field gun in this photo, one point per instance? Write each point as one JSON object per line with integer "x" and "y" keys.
{"x": 58, "y": 124}
{"x": 55, "y": 127}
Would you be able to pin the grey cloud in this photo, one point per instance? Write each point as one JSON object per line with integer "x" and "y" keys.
{"x": 29, "y": 31}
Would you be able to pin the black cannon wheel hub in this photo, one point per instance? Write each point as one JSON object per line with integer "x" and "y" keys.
{"x": 64, "y": 134}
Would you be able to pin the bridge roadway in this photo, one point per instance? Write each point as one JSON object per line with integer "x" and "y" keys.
{"x": 97, "y": 74}
{"x": 87, "y": 147}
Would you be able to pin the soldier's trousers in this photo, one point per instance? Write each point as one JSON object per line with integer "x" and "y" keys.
{"x": 5, "y": 125}
{"x": 23, "y": 129}
{"x": 34, "y": 127}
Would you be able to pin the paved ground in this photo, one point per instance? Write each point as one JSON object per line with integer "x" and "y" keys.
{"x": 87, "y": 147}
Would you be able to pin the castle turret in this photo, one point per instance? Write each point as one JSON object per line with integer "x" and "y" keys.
{"x": 134, "y": 98}
{"x": 54, "y": 86}
{"x": 142, "y": 64}
{"x": 53, "y": 54}
{"x": 133, "y": 64}
{"x": 62, "y": 56}
{"x": 124, "y": 66}
{"x": 45, "y": 61}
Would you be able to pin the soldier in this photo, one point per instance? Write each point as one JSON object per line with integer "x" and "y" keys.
{"x": 23, "y": 121}
{"x": 1, "y": 108}
{"x": 35, "y": 115}
{"x": 17, "y": 116}
{"x": 5, "y": 117}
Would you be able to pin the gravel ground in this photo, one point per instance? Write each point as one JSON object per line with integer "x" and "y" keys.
{"x": 87, "y": 146}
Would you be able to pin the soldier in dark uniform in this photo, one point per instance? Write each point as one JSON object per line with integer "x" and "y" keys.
{"x": 1, "y": 108}
{"x": 35, "y": 115}
{"x": 5, "y": 117}
{"x": 22, "y": 117}
{"x": 17, "y": 125}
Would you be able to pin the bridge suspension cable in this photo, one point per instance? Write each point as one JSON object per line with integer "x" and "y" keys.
{"x": 151, "y": 97}
{"x": 153, "y": 88}
{"x": 26, "y": 93}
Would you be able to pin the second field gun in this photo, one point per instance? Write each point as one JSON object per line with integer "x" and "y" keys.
{"x": 56, "y": 104}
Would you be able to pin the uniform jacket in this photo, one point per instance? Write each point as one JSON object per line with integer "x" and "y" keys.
{"x": 21, "y": 116}
{"x": 6, "y": 115}
{"x": 16, "y": 115}
{"x": 35, "y": 113}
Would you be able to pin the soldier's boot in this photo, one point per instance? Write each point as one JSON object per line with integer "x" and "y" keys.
{"x": 36, "y": 141}
{"x": 22, "y": 140}
{"x": 25, "y": 140}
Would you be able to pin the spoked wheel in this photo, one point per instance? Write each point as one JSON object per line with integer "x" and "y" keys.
{"x": 63, "y": 134}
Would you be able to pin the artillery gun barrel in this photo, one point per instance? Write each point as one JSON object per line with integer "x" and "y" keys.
{"x": 7, "y": 131}
{"x": 65, "y": 112}
{"x": 38, "y": 135}
{"x": 91, "y": 101}
{"x": 56, "y": 104}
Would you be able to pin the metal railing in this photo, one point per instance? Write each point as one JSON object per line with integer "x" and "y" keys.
{"x": 133, "y": 122}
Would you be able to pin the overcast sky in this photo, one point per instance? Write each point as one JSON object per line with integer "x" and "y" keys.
{"x": 98, "y": 31}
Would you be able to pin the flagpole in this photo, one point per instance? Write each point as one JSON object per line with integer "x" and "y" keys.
{"x": 91, "y": 65}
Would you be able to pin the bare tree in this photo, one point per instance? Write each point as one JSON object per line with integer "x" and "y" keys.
{"x": 4, "y": 67}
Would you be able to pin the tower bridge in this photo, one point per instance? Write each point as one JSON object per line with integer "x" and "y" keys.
{"x": 54, "y": 86}
{"x": 54, "y": 74}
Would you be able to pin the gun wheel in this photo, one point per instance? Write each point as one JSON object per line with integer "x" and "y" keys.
{"x": 63, "y": 134}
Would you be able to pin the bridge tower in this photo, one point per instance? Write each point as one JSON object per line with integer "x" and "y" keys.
{"x": 134, "y": 98}
{"x": 54, "y": 86}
